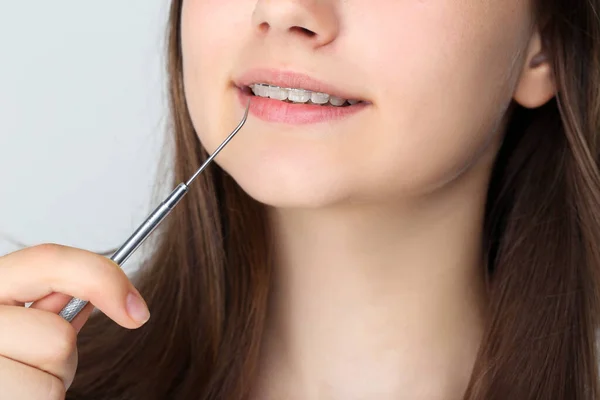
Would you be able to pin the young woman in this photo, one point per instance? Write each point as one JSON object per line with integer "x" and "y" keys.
{"x": 410, "y": 212}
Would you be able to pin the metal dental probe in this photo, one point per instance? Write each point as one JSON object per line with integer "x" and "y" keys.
{"x": 75, "y": 306}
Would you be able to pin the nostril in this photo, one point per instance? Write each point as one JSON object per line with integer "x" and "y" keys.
{"x": 302, "y": 31}
{"x": 264, "y": 27}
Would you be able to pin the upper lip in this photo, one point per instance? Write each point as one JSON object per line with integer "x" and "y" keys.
{"x": 289, "y": 79}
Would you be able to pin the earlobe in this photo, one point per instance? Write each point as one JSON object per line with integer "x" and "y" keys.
{"x": 536, "y": 84}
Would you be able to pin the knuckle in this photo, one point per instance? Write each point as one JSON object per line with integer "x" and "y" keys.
{"x": 47, "y": 251}
{"x": 55, "y": 388}
{"x": 62, "y": 343}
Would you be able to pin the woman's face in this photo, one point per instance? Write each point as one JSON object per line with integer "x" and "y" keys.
{"x": 434, "y": 79}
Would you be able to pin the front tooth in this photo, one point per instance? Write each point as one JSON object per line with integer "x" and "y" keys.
{"x": 299, "y": 95}
{"x": 319, "y": 98}
{"x": 260, "y": 90}
{"x": 337, "y": 101}
{"x": 277, "y": 93}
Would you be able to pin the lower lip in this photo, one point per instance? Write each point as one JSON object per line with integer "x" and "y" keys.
{"x": 271, "y": 110}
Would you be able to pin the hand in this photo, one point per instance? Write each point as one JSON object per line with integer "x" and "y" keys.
{"x": 38, "y": 352}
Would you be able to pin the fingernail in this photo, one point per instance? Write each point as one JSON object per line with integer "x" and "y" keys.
{"x": 137, "y": 308}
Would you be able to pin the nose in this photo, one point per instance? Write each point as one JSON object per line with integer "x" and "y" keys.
{"x": 313, "y": 22}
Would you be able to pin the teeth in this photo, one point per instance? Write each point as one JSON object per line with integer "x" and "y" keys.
{"x": 319, "y": 98}
{"x": 337, "y": 101}
{"x": 277, "y": 93}
{"x": 298, "y": 95}
{"x": 260, "y": 90}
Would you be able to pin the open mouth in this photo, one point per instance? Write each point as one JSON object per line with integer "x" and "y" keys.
{"x": 294, "y": 98}
{"x": 297, "y": 96}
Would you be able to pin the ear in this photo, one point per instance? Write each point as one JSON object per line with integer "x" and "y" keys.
{"x": 536, "y": 85}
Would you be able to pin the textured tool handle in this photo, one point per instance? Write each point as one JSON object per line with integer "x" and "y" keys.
{"x": 72, "y": 309}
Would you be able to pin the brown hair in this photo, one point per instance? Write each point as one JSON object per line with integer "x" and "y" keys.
{"x": 208, "y": 279}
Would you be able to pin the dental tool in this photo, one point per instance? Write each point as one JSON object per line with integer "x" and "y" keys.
{"x": 75, "y": 305}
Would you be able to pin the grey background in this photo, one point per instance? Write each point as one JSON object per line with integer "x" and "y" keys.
{"x": 82, "y": 119}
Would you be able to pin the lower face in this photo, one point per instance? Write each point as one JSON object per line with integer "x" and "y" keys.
{"x": 433, "y": 80}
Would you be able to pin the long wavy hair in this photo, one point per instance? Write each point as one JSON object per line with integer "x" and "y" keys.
{"x": 207, "y": 281}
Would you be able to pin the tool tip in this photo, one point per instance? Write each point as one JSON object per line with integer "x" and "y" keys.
{"x": 247, "y": 110}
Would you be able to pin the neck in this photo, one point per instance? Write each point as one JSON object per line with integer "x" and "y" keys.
{"x": 377, "y": 301}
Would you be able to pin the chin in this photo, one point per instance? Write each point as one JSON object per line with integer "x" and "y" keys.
{"x": 279, "y": 191}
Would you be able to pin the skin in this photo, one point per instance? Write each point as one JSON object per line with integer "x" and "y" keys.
{"x": 38, "y": 349}
{"x": 379, "y": 290}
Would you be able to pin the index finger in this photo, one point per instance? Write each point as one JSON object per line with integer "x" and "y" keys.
{"x": 31, "y": 274}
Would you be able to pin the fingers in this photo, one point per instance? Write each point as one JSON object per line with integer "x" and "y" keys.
{"x": 55, "y": 302}
{"x": 39, "y": 339}
{"x": 82, "y": 317}
{"x": 22, "y": 382}
{"x": 34, "y": 273}
{"x": 38, "y": 348}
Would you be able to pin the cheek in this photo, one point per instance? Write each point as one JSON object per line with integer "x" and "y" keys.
{"x": 440, "y": 73}
{"x": 444, "y": 78}
{"x": 210, "y": 32}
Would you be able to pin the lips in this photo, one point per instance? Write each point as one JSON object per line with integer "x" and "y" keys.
{"x": 292, "y": 80}
{"x": 272, "y": 110}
